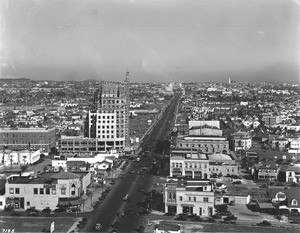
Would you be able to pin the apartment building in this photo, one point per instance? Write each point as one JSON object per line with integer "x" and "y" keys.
{"x": 189, "y": 196}
{"x": 190, "y": 164}
{"x": 27, "y": 138}
{"x": 268, "y": 170}
{"x": 108, "y": 120}
{"x": 270, "y": 120}
{"x": 241, "y": 140}
{"x": 47, "y": 190}
{"x": 293, "y": 173}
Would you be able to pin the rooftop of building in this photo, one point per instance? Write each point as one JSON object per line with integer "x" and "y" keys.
{"x": 26, "y": 130}
{"x": 192, "y": 185}
{"x": 219, "y": 157}
{"x": 46, "y": 177}
{"x": 203, "y": 137}
{"x": 241, "y": 133}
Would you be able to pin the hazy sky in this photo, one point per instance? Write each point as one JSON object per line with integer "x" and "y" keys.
{"x": 158, "y": 40}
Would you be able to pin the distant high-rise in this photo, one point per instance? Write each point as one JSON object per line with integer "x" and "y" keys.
{"x": 108, "y": 119}
{"x": 229, "y": 81}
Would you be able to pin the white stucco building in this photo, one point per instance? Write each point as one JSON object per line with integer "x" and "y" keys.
{"x": 189, "y": 196}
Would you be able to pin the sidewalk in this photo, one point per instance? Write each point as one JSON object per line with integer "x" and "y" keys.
{"x": 98, "y": 189}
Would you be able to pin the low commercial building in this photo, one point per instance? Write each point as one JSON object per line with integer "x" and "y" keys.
{"x": 47, "y": 190}
{"x": 95, "y": 158}
{"x": 204, "y": 144}
{"x": 78, "y": 145}
{"x": 192, "y": 164}
{"x": 189, "y": 196}
{"x": 21, "y": 157}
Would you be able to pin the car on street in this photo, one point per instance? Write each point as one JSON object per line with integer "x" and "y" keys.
{"x": 98, "y": 226}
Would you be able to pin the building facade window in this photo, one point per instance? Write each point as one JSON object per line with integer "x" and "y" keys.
{"x": 41, "y": 190}
{"x": 205, "y": 199}
{"x": 47, "y": 191}
{"x": 17, "y": 191}
{"x": 63, "y": 191}
{"x": 35, "y": 191}
{"x": 11, "y": 190}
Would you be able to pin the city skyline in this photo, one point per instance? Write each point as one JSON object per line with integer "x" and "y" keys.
{"x": 165, "y": 41}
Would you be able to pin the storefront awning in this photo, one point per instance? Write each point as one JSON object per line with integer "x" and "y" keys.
{"x": 187, "y": 205}
{"x": 63, "y": 203}
{"x": 171, "y": 204}
{"x": 74, "y": 202}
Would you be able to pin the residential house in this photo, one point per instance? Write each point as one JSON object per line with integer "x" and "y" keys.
{"x": 286, "y": 198}
{"x": 280, "y": 143}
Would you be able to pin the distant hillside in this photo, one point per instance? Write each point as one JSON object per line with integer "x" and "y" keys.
{"x": 15, "y": 79}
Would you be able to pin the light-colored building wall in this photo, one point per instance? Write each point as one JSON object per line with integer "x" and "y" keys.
{"x": 203, "y": 144}
{"x": 19, "y": 157}
{"x": 192, "y": 198}
{"x": 28, "y": 194}
{"x": 57, "y": 163}
{"x": 2, "y": 202}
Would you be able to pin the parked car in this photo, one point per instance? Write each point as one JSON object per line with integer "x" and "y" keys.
{"x": 216, "y": 216}
{"x": 170, "y": 214}
{"x": 229, "y": 218}
{"x": 182, "y": 217}
{"x": 16, "y": 213}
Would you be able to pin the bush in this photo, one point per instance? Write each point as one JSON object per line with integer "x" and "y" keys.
{"x": 264, "y": 223}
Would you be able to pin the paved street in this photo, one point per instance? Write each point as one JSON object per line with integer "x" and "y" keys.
{"x": 106, "y": 214}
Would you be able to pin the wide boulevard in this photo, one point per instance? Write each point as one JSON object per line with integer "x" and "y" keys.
{"x": 132, "y": 184}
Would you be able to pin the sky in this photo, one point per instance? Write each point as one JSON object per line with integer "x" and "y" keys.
{"x": 157, "y": 40}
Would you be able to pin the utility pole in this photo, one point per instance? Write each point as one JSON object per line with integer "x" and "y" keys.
{"x": 127, "y": 94}
{"x": 10, "y": 156}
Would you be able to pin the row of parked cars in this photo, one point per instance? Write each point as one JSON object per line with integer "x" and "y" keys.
{"x": 230, "y": 218}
